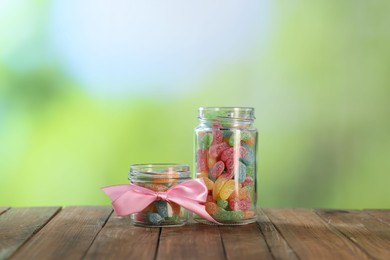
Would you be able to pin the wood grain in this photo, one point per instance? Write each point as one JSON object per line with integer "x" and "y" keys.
{"x": 194, "y": 241}
{"x": 245, "y": 241}
{"x": 381, "y": 214}
{"x": 67, "y": 236}
{"x": 18, "y": 224}
{"x": 372, "y": 235}
{"x": 310, "y": 237}
{"x": 3, "y": 209}
{"x": 276, "y": 243}
{"x": 119, "y": 239}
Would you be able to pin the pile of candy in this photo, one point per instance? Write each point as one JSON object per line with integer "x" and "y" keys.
{"x": 225, "y": 159}
{"x": 161, "y": 212}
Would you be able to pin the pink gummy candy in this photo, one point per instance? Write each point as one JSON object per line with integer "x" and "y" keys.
{"x": 248, "y": 181}
{"x": 218, "y": 169}
{"x": 216, "y": 149}
{"x": 243, "y": 205}
{"x": 201, "y": 165}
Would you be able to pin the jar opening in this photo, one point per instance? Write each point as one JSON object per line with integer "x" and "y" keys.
{"x": 159, "y": 171}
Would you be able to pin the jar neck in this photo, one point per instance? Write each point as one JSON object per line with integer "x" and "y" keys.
{"x": 218, "y": 117}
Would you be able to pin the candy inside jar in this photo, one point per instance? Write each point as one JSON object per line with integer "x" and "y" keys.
{"x": 159, "y": 178}
{"x": 225, "y": 157}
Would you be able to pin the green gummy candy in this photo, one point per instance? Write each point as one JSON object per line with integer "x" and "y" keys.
{"x": 229, "y": 215}
{"x": 236, "y": 215}
{"x": 222, "y": 203}
{"x": 244, "y": 136}
{"x": 250, "y": 170}
{"x": 205, "y": 141}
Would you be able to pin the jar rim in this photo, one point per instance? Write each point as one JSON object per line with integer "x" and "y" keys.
{"x": 159, "y": 171}
{"x": 227, "y": 113}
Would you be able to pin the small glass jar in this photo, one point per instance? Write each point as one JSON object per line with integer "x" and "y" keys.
{"x": 225, "y": 157}
{"x": 160, "y": 177}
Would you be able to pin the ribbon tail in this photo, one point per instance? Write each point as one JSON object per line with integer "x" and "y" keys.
{"x": 194, "y": 207}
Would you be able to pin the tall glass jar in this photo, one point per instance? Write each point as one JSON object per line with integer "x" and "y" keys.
{"x": 160, "y": 177}
{"x": 225, "y": 157}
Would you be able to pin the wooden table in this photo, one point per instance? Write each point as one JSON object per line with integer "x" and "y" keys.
{"x": 95, "y": 233}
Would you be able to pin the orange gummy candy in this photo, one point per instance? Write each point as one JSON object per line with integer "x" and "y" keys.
{"x": 211, "y": 208}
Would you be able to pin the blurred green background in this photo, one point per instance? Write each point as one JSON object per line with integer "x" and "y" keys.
{"x": 88, "y": 88}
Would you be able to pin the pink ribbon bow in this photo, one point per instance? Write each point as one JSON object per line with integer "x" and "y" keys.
{"x": 130, "y": 198}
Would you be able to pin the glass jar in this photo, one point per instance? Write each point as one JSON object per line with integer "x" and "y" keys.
{"x": 225, "y": 157}
{"x": 159, "y": 178}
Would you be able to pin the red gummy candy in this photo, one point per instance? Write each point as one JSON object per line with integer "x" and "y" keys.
{"x": 201, "y": 164}
{"x": 217, "y": 137}
{"x": 248, "y": 181}
{"x": 228, "y": 175}
{"x": 217, "y": 124}
{"x": 216, "y": 149}
{"x": 229, "y": 165}
{"x": 217, "y": 169}
{"x": 229, "y": 153}
{"x": 243, "y": 205}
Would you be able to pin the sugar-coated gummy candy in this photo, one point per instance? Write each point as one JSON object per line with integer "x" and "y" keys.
{"x": 216, "y": 149}
{"x": 205, "y": 141}
{"x": 218, "y": 186}
{"x": 250, "y": 170}
{"x": 218, "y": 169}
{"x": 240, "y": 194}
{"x": 249, "y": 157}
{"x": 243, "y": 204}
{"x": 211, "y": 208}
{"x": 227, "y": 189}
{"x": 243, "y": 136}
{"x": 241, "y": 172}
{"x": 209, "y": 183}
{"x": 233, "y": 215}
{"x": 229, "y": 165}
{"x": 211, "y": 162}
{"x": 222, "y": 203}
{"x": 202, "y": 174}
{"x": 162, "y": 208}
{"x": 174, "y": 209}
{"x": 248, "y": 181}
{"x": 217, "y": 136}
{"x": 228, "y": 175}
{"x": 229, "y": 153}
{"x": 249, "y": 214}
{"x": 201, "y": 157}
{"x": 154, "y": 218}
{"x": 227, "y": 133}
{"x": 154, "y": 187}
{"x": 210, "y": 198}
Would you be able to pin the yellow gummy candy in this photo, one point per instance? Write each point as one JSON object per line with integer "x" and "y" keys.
{"x": 218, "y": 186}
{"x": 227, "y": 189}
{"x": 209, "y": 183}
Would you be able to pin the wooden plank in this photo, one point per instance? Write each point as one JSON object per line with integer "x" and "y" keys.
{"x": 193, "y": 241}
{"x": 67, "y": 236}
{"x": 276, "y": 243}
{"x": 310, "y": 237}
{"x": 372, "y": 235}
{"x": 17, "y": 225}
{"x": 3, "y": 209}
{"x": 382, "y": 214}
{"x": 119, "y": 239}
{"x": 244, "y": 241}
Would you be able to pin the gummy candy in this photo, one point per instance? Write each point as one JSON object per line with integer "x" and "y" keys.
{"x": 243, "y": 204}
{"x": 249, "y": 214}
{"x": 241, "y": 172}
{"x": 239, "y": 195}
{"x": 227, "y": 189}
{"x": 211, "y": 208}
{"x": 228, "y": 215}
{"x": 202, "y": 174}
{"x": 216, "y": 149}
{"x": 218, "y": 186}
{"x": 161, "y": 207}
{"x": 222, "y": 203}
{"x": 218, "y": 169}
{"x": 249, "y": 157}
{"x": 174, "y": 209}
{"x": 202, "y": 161}
{"x": 205, "y": 141}
{"x": 229, "y": 153}
{"x": 209, "y": 183}
{"x": 248, "y": 181}
{"x": 217, "y": 137}
{"x": 250, "y": 170}
{"x": 211, "y": 162}
{"x": 154, "y": 187}
{"x": 154, "y": 218}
